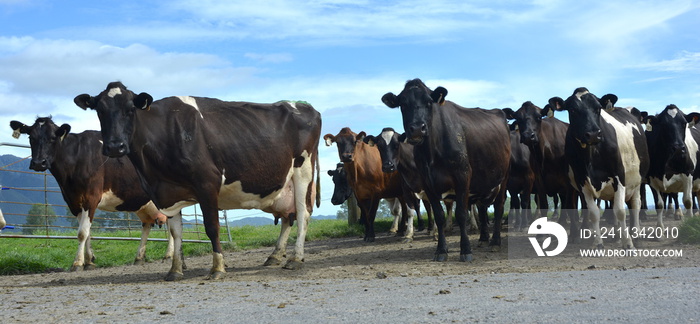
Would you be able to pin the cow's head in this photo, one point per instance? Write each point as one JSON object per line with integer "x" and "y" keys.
{"x": 45, "y": 138}
{"x": 116, "y": 107}
{"x": 346, "y": 141}
{"x": 417, "y": 103}
{"x": 528, "y": 120}
{"x": 388, "y": 145}
{"x": 342, "y": 190}
{"x": 670, "y": 128}
{"x": 584, "y": 115}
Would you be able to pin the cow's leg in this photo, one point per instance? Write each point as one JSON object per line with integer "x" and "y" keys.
{"x": 397, "y": 217}
{"x": 484, "y": 229}
{"x": 514, "y": 209}
{"x": 281, "y": 247}
{"x": 84, "y": 225}
{"x": 461, "y": 214}
{"x": 635, "y": 211}
{"x": 371, "y": 215}
{"x": 141, "y": 251}
{"x": 210, "y": 214}
{"x": 659, "y": 201}
{"x": 175, "y": 227}
{"x": 593, "y": 218}
{"x": 618, "y": 207}
{"x": 409, "y": 208}
{"x": 556, "y": 214}
{"x": 688, "y": 198}
{"x": 419, "y": 220}
{"x": 304, "y": 194}
{"x": 525, "y": 210}
{"x": 431, "y": 219}
{"x": 439, "y": 215}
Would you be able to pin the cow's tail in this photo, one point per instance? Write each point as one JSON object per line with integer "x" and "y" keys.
{"x": 318, "y": 181}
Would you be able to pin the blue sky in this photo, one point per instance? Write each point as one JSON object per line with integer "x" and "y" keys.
{"x": 343, "y": 55}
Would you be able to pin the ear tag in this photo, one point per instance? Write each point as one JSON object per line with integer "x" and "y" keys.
{"x": 64, "y": 136}
{"x": 15, "y": 133}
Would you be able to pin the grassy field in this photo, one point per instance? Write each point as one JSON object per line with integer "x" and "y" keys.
{"x": 26, "y": 255}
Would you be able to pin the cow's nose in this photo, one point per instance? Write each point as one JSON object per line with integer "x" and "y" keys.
{"x": 115, "y": 149}
{"x": 39, "y": 165}
{"x": 592, "y": 137}
{"x": 389, "y": 167}
{"x": 346, "y": 157}
{"x": 418, "y": 129}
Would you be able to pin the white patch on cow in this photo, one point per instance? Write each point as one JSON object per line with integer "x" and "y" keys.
{"x": 174, "y": 210}
{"x": 113, "y": 92}
{"x": 672, "y": 112}
{"x": 676, "y": 183}
{"x": 192, "y": 102}
{"x": 109, "y": 201}
{"x": 580, "y": 94}
{"x": 692, "y": 146}
{"x": 232, "y": 196}
{"x": 628, "y": 152}
{"x": 606, "y": 192}
{"x": 387, "y": 135}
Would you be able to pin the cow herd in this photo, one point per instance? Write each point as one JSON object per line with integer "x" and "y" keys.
{"x": 157, "y": 157}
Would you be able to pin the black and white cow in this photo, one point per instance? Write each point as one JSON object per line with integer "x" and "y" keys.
{"x": 521, "y": 182}
{"x": 607, "y": 153}
{"x": 460, "y": 149}
{"x": 89, "y": 181}
{"x": 222, "y": 155}
{"x": 673, "y": 154}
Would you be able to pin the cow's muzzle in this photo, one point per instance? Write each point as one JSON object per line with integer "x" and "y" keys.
{"x": 115, "y": 149}
{"x": 39, "y": 165}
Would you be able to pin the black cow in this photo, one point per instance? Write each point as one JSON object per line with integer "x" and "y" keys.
{"x": 673, "y": 155}
{"x": 607, "y": 152}
{"x": 341, "y": 188}
{"x": 88, "y": 181}
{"x": 222, "y": 155}
{"x": 465, "y": 150}
{"x": 520, "y": 183}
{"x": 545, "y": 137}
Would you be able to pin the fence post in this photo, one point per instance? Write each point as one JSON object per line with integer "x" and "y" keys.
{"x": 353, "y": 210}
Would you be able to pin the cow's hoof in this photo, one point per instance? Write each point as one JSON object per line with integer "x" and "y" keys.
{"x": 174, "y": 276}
{"x": 440, "y": 257}
{"x": 89, "y": 267}
{"x": 272, "y": 262}
{"x": 139, "y": 262}
{"x": 482, "y": 243}
{"x": 495, "y": 248}
{"x": 407, "y": 240}
{"x": 369, "y": 239}
{"x": 76, "y": 268}
{"x": 293, "y": 265}
{"x": 216, "y": 275}
{"x": 466, "y": 257}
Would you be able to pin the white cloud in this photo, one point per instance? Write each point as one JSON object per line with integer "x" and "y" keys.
{"x": 684, "y": 61}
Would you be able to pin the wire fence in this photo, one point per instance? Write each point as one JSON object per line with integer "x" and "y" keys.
{"x": 33, "y": 207}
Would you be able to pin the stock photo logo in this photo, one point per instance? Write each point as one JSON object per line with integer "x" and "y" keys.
{"x": 542, "y": 227}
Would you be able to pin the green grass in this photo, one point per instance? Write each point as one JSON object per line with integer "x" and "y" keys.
{"x": 27, "y": 255}
{"x": 689, "y": 231}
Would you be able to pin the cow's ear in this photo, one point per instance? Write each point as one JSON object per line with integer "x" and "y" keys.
{"x": 369, "y": 139}
{"x": 390, "y": 100}
{"x": 360, "y": 136}
{"x": 608, "y": 101}
{"x": 62, "y": 131}
{"x": 439, "y": 95}
{"x": 547, "y": 111}
{"x": 692, "y": 118}
{"x": 85, "y": 101}
{"x": 510, "y": 114}
{"x": 557, "y": 103}
{"x": 329, "y": 138}
{"x": 143, "y": 101}
{"x": 331, "y": 172}
{"x": 403, "y": 138}
{"x": 18, "y": 128}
